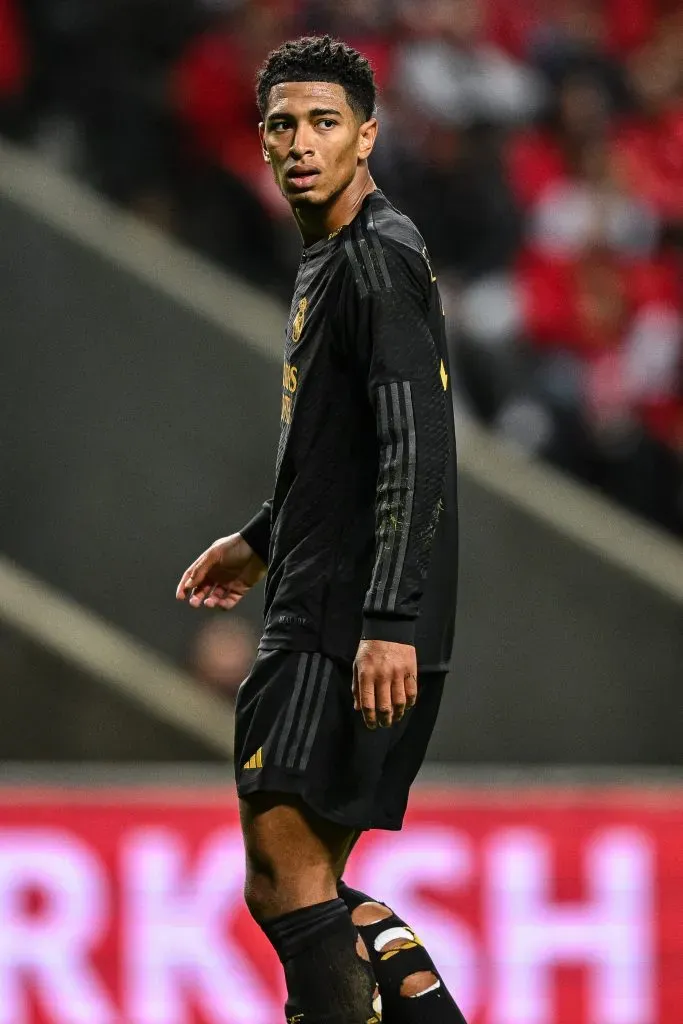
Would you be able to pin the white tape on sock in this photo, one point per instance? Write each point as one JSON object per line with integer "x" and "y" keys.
{"x": 390, "y": 935}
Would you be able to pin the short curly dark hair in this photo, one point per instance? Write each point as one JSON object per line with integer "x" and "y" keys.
{"x": 320, "y": 59}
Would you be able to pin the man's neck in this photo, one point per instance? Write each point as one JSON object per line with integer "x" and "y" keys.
{"x": 316, "y": 223}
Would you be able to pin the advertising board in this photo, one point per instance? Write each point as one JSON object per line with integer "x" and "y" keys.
{"x": 541, "y": 906}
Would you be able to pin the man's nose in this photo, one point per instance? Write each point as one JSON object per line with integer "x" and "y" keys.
{"x": 302, "y": 143}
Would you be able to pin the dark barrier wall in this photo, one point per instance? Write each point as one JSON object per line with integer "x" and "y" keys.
{"x": 134, "y": 433}
{"x": 560, "y": 655}
{"x": 51, "y": 711}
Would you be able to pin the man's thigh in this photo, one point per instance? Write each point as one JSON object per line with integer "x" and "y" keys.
{"x": 293, "y": 856}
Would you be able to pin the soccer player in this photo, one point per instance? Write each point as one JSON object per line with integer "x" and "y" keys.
{"x": 359, "y": 549}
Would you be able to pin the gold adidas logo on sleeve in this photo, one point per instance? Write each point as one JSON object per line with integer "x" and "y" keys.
{"x": 256, "y": 760}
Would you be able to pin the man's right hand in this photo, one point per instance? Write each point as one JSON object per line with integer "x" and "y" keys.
{"x": 222, "y": 575}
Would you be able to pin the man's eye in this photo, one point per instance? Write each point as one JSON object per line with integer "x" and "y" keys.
{"x": 278, "y": 126}
{"x": 327, "y": 122}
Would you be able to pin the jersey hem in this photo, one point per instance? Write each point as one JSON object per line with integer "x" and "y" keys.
{"x": 315, "y": 646}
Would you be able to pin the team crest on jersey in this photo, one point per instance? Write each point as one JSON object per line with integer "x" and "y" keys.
{"x": 298, "y": 325}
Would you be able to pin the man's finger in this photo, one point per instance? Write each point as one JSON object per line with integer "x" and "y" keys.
{"x": 208, "y": 600}
{"x": 367, "y": 699}
{"x": 186, "y": 584}
{"x": 192, "y": 578}
{"x": 217, "y": 595}
{"x": 355, "y": 689}
{"x": 224, "y": 598}
{"x": 398, "y": 698}
{"x": 383, "y": 703}
{"x": 410, "y": 687}
{"x": 199, "y": 595}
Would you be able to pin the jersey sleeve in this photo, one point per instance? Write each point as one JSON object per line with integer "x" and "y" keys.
{"x": 257, "y": 531}
{"x": 387, "y": 318}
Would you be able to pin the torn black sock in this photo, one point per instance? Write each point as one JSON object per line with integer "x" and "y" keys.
{"x": 411, "y": 989}
{"x": 328, "y": 981}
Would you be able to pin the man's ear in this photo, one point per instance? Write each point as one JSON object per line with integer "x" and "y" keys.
{"x": 262, "y": 137}
{"x": 366, "y": 138}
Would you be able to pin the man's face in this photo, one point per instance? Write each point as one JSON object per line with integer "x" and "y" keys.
{"x": 313, "y": 140}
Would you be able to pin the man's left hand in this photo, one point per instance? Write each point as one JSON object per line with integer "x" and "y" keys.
{"x": 384, "y": 682}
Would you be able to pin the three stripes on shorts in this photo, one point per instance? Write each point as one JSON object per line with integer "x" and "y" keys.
{"x": 304, "y": 711}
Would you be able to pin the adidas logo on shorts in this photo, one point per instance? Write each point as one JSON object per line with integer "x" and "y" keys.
{"x": 256, "y": 760}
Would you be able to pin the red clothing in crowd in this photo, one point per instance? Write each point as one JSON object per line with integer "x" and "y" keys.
{"x": 13, "y": 56}
{"x": 664, "y": 420}
{"x": 647, "y": 156}
{"x": 213, "y": 92}
{"x": 622, "y": 320}
{"x": 513, "y": 24}
{"x": 582, "y": 305}
{"x": 650, "y": 155}
{"x": 535, "y": 160}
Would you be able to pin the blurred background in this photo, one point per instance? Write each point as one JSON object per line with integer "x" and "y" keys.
{"x": 146, "y": 259}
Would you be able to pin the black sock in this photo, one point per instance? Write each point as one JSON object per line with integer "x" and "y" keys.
{"x": 434, "y": 1004}
{"x": 327, "y": 981}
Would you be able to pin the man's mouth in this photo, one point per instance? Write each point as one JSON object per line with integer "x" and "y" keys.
{"x": 302, "y": 177}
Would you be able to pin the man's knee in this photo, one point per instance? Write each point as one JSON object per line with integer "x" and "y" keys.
{"x": 279, "y": 884}
{"x": 261, "y": 892}
{"x": 266, "y": 897}
{"x": 291, "y": 856}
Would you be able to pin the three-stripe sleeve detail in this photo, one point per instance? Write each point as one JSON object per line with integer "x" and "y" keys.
{"x": 387, "y": 456}
{"x": 366, "y": 258}
{"x": 409, "y": 497}
{"x": 368, "y": 264}
{"x": 304, "y": 711}
{"x": 373, "y": 235}
{"x": 395, "y": 493}
{"x": 356, "y": 267}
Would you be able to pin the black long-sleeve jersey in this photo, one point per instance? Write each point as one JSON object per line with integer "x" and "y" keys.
{"x": 360, "y": 537}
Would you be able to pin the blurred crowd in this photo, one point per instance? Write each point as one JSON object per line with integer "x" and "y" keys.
{"x": 538, "y": 144}
{"x": 222, "y": 654}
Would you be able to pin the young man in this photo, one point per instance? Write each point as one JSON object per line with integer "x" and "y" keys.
{"x": 359, "y": 544}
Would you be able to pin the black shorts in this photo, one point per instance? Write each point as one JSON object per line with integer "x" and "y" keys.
{"x": 296, "y": 732}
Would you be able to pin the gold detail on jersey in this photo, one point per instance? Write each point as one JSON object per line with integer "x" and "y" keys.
{"x": 289, "y": 372}
{"x": 298, "y": 325}
{"x": 286, "y": 410}
{"x": 425, "y": 257}
{"x": 289, "y": 385}
{"x": 443, "y": 375}
{"x": 256, "y": 760}
{"x": 333, "y": 234}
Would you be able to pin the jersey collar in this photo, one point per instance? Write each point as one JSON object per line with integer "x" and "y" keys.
{"x": 323, "y": 243}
